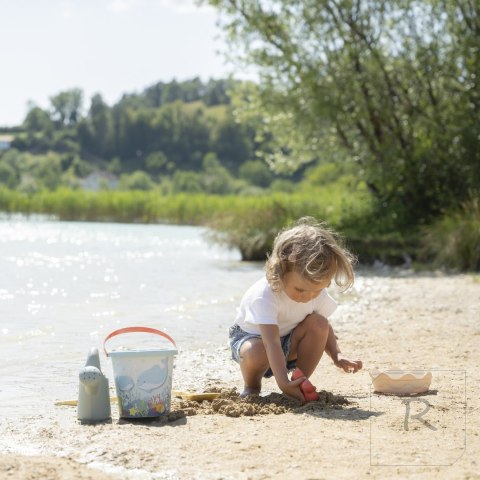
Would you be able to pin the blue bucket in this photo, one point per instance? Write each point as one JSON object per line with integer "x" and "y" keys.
{"x": 143, "y": 378}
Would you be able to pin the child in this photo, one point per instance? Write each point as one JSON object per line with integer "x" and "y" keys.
{"x": 282, "y": 321}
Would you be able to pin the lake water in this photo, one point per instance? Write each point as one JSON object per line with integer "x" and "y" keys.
{"x": 65, "y": 285}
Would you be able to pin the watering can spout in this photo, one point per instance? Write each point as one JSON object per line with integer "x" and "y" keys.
{"x": 93, "y": 358}
{"x": 93, "y": 394}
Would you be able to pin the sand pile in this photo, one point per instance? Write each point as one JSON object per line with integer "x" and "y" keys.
{"x": 230, "y": 404}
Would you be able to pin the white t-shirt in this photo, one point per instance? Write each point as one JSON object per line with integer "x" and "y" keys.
{"x": 261, "y": 305}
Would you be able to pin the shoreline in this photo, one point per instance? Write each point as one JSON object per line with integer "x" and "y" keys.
{"x": 399, "y": 319}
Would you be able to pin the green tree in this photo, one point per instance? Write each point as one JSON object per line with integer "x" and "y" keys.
{"x": 392, "y": 86}
{"x": 185, "y": 181}
{"x": 137, "y": 180}
{"x": 216, "y": 178}
{"x": 67, "y": 106}
{"x": 257, "y": 173}
{"x": 156, "y": 162}
{"x": 101, "y": 123}
{"x": 37, "y": 120}
{"x": 47, "y": 170}
{"x": 9, "y": 177}
{"x": 233, "y": 142}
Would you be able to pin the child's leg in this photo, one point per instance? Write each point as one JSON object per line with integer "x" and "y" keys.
{"x": 253, "y": 364}
{"x": 308, "y": 342}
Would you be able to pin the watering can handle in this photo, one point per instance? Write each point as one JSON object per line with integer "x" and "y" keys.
{"x": 136, "y": 329}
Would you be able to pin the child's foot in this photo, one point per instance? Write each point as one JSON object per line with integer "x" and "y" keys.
{"x": 308, "y": 390}
{"x": 249, "y": 391}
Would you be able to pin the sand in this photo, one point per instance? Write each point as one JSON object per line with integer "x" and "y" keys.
{"x": 397, "y": 319}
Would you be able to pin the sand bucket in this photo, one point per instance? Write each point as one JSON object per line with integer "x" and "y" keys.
{"x": 143, "y": 378}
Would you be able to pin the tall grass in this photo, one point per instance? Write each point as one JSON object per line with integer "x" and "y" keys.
{"x": 245, "y": 222}
{"x": 153, "y": 207}
{"x": 454, "y": 241}
{"x": 116, "y": 206}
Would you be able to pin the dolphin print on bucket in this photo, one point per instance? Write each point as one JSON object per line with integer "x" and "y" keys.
{"x": 152, "y": 378}
{"x": 124, "y": 383}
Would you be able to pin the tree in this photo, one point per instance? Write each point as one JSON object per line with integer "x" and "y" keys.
{"x": 47, "y": 170}
{"x": 391, "y": 85}
{"x": 101, "y": 122}
{"x": 257, "y": 173}
{"x": 37, "y": 120}
{"x": 9, "y": 177}
{"x": 156, "y": 162}
{"x": 216, "y": 178}
{"x": 67, "y": 106}
{"x": 137, "y": 180}
{"x": 233, "y": 141}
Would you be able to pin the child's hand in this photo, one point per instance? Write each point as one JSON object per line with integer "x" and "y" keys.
{"x": 292, "y": 389}
{"x": 349, "y": 366}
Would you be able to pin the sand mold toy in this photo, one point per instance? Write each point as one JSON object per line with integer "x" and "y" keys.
{"x": 399, "y": 381}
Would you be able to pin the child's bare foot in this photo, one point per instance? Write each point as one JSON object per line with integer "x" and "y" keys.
{"x": 250, "y": 391}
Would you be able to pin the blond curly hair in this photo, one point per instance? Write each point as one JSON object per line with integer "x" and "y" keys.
{"x": 312, "y": 250}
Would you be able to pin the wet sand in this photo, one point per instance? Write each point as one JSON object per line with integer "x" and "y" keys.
{"x": 398, "y": 319}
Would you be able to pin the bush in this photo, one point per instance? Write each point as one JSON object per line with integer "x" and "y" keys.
{"x": 137, "y": 180}
{"x": 454, "y": 241}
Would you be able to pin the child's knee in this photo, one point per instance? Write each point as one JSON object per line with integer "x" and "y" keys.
{"x": 253, "y": 352}
{"x": 316, "y": 323}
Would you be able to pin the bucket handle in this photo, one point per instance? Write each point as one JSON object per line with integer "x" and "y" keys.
{"x": 136, "y": 329}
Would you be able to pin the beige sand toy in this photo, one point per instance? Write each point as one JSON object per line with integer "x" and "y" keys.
{"x": 192, "y": 396}
{"x": 401, "y": 382}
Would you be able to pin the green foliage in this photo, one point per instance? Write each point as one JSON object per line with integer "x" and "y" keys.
{"x": 114, "y": 166}
{"x": 454, "y": 240}
{"x": 169, "y": 126}
{"x": 48, "y": 171}
{"x": 253, "y": 223}
{"x": 283, "y": 185}
{"x": 215, "y": 179}
{"x": 323, "y": 173}
{"x": 8, "y": 175}
{"x": 137, "y": 180}
{"x": 67, "y": 106}
{"x": 256, "y": 172}
{"x": 186, "y": 182}
{"x": 156, "y": 162}
{"x": 37, "y": 120}
{"x": 391, "y": 86}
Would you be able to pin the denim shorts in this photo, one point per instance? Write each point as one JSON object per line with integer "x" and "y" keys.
{"x": 238, "y": 336}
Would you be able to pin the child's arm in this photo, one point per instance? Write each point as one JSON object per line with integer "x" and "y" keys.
{"x": 276, "y": 359}
{"x": 333, "y": 350}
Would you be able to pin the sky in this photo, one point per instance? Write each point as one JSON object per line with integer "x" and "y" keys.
{"x": 109, "y": 47}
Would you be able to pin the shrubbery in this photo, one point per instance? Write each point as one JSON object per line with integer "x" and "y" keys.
{"x": 454, "y": 241}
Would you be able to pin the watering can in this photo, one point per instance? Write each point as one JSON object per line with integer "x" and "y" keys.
{"x": 93, "y": 395}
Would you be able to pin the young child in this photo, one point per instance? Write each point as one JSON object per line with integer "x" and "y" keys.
{"x": 282, "y": 321}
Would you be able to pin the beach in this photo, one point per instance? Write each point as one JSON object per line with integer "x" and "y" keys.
{"x": 398, "y": 319}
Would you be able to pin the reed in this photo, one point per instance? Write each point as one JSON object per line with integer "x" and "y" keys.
{"x": 248, "y": 223}
{"x": 454, "y": 241}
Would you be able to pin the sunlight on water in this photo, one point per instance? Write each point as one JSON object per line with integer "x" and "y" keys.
{"x": 65, "y": 286}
